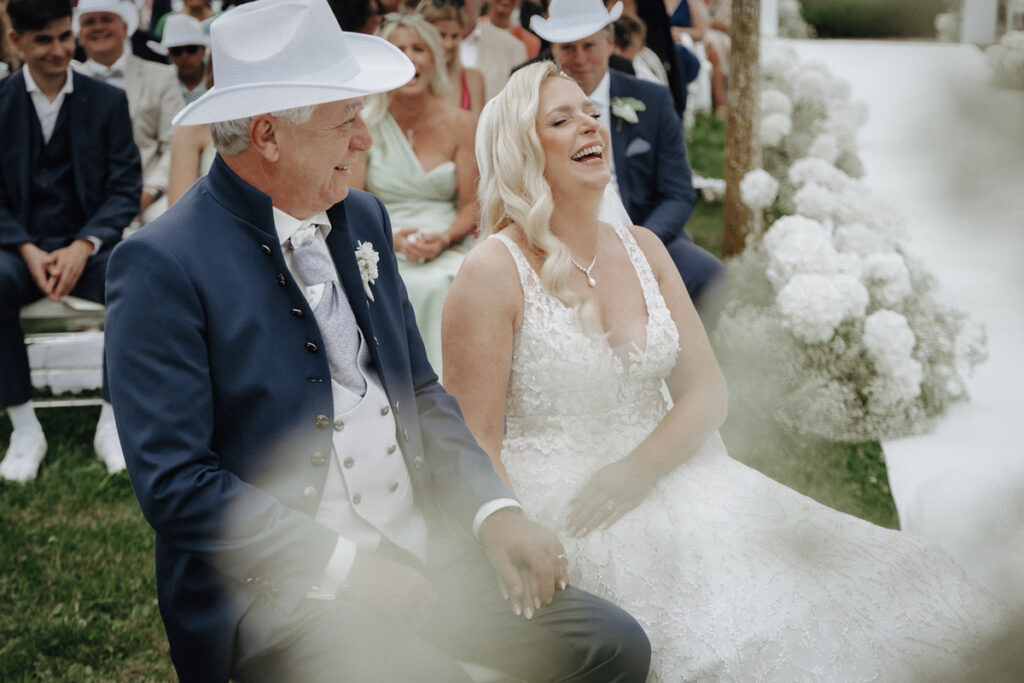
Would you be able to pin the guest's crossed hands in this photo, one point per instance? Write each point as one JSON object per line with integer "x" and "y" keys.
{"x": 39, "y": 262}
{"x": 67, "y": 266}
{"x": 529, "y": 560}
{"x": 419, "y": 247}
{"x": 396, "y": 591}
{"x": 614, "y": 490}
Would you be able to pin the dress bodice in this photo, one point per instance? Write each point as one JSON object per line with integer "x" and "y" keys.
{"x": 568, "y": 381}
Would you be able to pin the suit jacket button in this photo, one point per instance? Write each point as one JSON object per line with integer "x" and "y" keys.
{"x": 281, "y": 279}
{"x": 297, "y": 313}
{"x": 392, "y": 448}
{"x": 349, "y": 463}
{"x": 393, "y": 487}
{"x": 309, "y": 493}
{"x": 265, "y": 248}
{"x": 357, "y": 499}
{"x": 321, "y": 422}
{"x": 319, "y": 459}
{"x": 339, "y": 425}
{"x": 311, "y": 347}
{"x": 376, "y": 342}
{"x": 417, "y": 462}
{"x": 385, "y": 410}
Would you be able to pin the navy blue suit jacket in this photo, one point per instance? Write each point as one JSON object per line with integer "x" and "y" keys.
{"x": 651, "y": 168}
{"x": 108, "y": 177}
{"x": 221, "y": 404}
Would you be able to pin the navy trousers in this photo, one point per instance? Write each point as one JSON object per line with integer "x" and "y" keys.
{"x": 17, "y": 289}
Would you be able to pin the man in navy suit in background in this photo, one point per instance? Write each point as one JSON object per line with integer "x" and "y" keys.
{"x": 650, "y": 170}
{"x": 314, "y": 490}
{"x": 69, "y": 184}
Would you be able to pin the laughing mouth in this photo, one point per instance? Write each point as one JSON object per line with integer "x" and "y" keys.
{"x": 589, "y": 152}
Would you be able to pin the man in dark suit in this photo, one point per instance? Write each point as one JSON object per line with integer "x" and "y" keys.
{"x": 69, "y": 184}
{"x": 314, "y": 490}
{"x": 649, "y": 166}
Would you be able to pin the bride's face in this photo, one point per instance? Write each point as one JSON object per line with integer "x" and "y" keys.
{"x": 576, "y": 145}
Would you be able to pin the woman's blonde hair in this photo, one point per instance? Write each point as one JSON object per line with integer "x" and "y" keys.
{"x": 513, "y": 188}
{"x": 430, "y": 11}
{"x": 377, "y": 105}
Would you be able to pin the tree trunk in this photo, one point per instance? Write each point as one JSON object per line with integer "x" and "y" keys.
{"x": 742, "y": 146}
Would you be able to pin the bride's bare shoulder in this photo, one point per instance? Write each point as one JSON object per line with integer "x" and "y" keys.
{"x": 488, "y": 277}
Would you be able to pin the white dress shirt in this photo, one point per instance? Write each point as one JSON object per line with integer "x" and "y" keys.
{"x": 602, "y": 98}
{"x": 111, "y": 75}
{"x": 47, "y": 111}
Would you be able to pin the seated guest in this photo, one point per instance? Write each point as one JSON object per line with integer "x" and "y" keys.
{"x": 69, "y": 184}
{"x": 192, "y": 154}
{"x": 184, "y": 42}
{"x": 359, "y": 16}
{"x": 504, "y": 14}
{"x": 10, "y": 60}
{"x": 491, "y": 50}
{"x": 137, "y": 39}
{"x": 448, "y": 21}
{"x": 650, "y": 171}
{"x": 200, "y": 10}
{"x": 423, "y": 167}
{"x": 681, "y": 68}
{"x": 154, "y": 96}
{"x": 631, "y": 43}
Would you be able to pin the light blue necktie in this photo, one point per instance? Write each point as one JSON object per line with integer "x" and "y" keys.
{"x": 333, "y": 314}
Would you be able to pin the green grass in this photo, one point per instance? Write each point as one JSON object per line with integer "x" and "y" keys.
{"x": 873, "y": 18}
{"x": 77, "y": 590}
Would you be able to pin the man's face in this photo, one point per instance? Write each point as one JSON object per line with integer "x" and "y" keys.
{"x": 188, "y": 60}
{"x": 102, "y": 36}
{"x": 49, "y": 50}
{"x": 586, "y": 60}
{"x": 312, "y": 170}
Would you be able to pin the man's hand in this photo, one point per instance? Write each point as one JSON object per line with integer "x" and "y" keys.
{"x": 67, "y": 266}
{"x": 145, "y": 202}
{"x": 528, "y": 559}
{"x": 393, "y": 590}
{"x": 38, "y": 262}
{"x": 419, "y": 247}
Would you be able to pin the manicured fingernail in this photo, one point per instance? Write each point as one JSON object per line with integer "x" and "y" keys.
{"x": 536, "y": 603}
{"x": 529, "y": 613}
{"x": 516, "y": 609}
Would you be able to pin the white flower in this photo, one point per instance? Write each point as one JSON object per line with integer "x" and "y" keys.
{"x": 888, "y": 340}
{"x": 367, "y": 259}
{"x": 854, "y": 294}
{"x": 626, "y": 108}
{"x": 775, "y": 101}
{"x": 812, "y": 307}
{"x": 816, "y": 169}
{"x": 859, "y": 239}
{"x": 888, "y": 278}
{"x": 774, "y": 128}
{"x": 796, "y": 244}
{"x": 758, "y": 189}
{"x": 826, "y": 147}
{"x": 814, "y": 201}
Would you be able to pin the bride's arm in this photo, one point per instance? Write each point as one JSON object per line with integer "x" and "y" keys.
{"x": 481, "y": 313}
{"x": 699, "y": 407}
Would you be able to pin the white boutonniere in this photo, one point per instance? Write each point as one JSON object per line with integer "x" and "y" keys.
{"x": 367, "y": 259}
{"x": 625, "y": 109}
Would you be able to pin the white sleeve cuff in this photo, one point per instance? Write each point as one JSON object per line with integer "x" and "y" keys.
{"x": 96, "y": 243}
{"x": 488, "y": 509}
{"x": 335, "y": 572}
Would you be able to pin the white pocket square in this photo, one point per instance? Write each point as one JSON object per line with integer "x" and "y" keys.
{"x": 638, "y": 146}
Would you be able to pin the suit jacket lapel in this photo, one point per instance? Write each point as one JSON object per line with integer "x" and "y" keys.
{"x": 342, "y": 245}
{"x": 21, "y": 150}
{"x": 80, "y": 129}
{"x": 619, "y": 141}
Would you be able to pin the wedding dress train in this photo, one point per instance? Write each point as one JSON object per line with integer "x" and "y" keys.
{"x": 734, "y": 576}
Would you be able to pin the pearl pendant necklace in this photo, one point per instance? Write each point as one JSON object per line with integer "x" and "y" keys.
{"x": 586, "y": 271}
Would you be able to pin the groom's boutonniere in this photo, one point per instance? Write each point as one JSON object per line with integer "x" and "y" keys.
{"x": 625, "y": 109}
{"x": 367, "y": 259}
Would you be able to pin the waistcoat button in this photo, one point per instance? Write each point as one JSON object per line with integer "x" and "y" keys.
{"x": 321, "y": 422}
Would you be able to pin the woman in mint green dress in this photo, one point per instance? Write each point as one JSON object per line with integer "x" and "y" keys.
{"x": 423, "y": 167}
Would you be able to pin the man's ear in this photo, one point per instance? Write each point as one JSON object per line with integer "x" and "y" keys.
{"x": 263, "y": 136}
{"x": 15, "y": 41}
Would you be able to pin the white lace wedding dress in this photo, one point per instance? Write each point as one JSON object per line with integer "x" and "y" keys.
{"x": 733, "y": 576}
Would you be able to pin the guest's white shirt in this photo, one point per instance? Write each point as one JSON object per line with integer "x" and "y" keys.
{"x": 469, "y": 49}
{"x": 602, "y": 98}
{"x": 46, "y": 110}
{"x": 340, "y": 563}
{"x": 112, "y": 75}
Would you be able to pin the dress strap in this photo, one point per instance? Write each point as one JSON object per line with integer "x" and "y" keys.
{"x": 648, "y": 283}
{"x": 522, "y": 265}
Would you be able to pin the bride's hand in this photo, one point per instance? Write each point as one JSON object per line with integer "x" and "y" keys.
{"x": 614, "y": 490}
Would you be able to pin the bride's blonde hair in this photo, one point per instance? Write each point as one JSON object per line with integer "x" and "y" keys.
{"x": 512, "y": 186}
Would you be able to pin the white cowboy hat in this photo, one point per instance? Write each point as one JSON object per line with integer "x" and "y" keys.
{"x": 279, "y": 54}
{"x": 570, "y": 20}
{"x": 124, "y": 9}
{"x": 179, "y": 30}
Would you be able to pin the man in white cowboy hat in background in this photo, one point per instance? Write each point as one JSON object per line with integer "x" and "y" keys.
{"x": 103, "y": 27}
{"x": 314, "y": 490}
{"x": 650, "y": 171}
{"x": 184, "y": 42}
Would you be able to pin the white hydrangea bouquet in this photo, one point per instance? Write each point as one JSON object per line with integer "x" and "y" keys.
{"x": 1007, "y": 60}
{"x": 829, "y": 322}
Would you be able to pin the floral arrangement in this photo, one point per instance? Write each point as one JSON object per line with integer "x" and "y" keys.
{"x": 805, "y": 111}
{"x": 367, "y": 258}
{"x": 625, "y": 109}
{"x": 791, "y": 21}
{"x": 1007, "y": 60}
{"x": 829, "y": 321}
{"x": 947, "y": 24}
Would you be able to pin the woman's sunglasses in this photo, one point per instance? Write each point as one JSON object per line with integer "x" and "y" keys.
{"x": 183, "y": 50}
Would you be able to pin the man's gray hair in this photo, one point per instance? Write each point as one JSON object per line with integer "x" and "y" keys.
{"x": 232, "y": 137}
